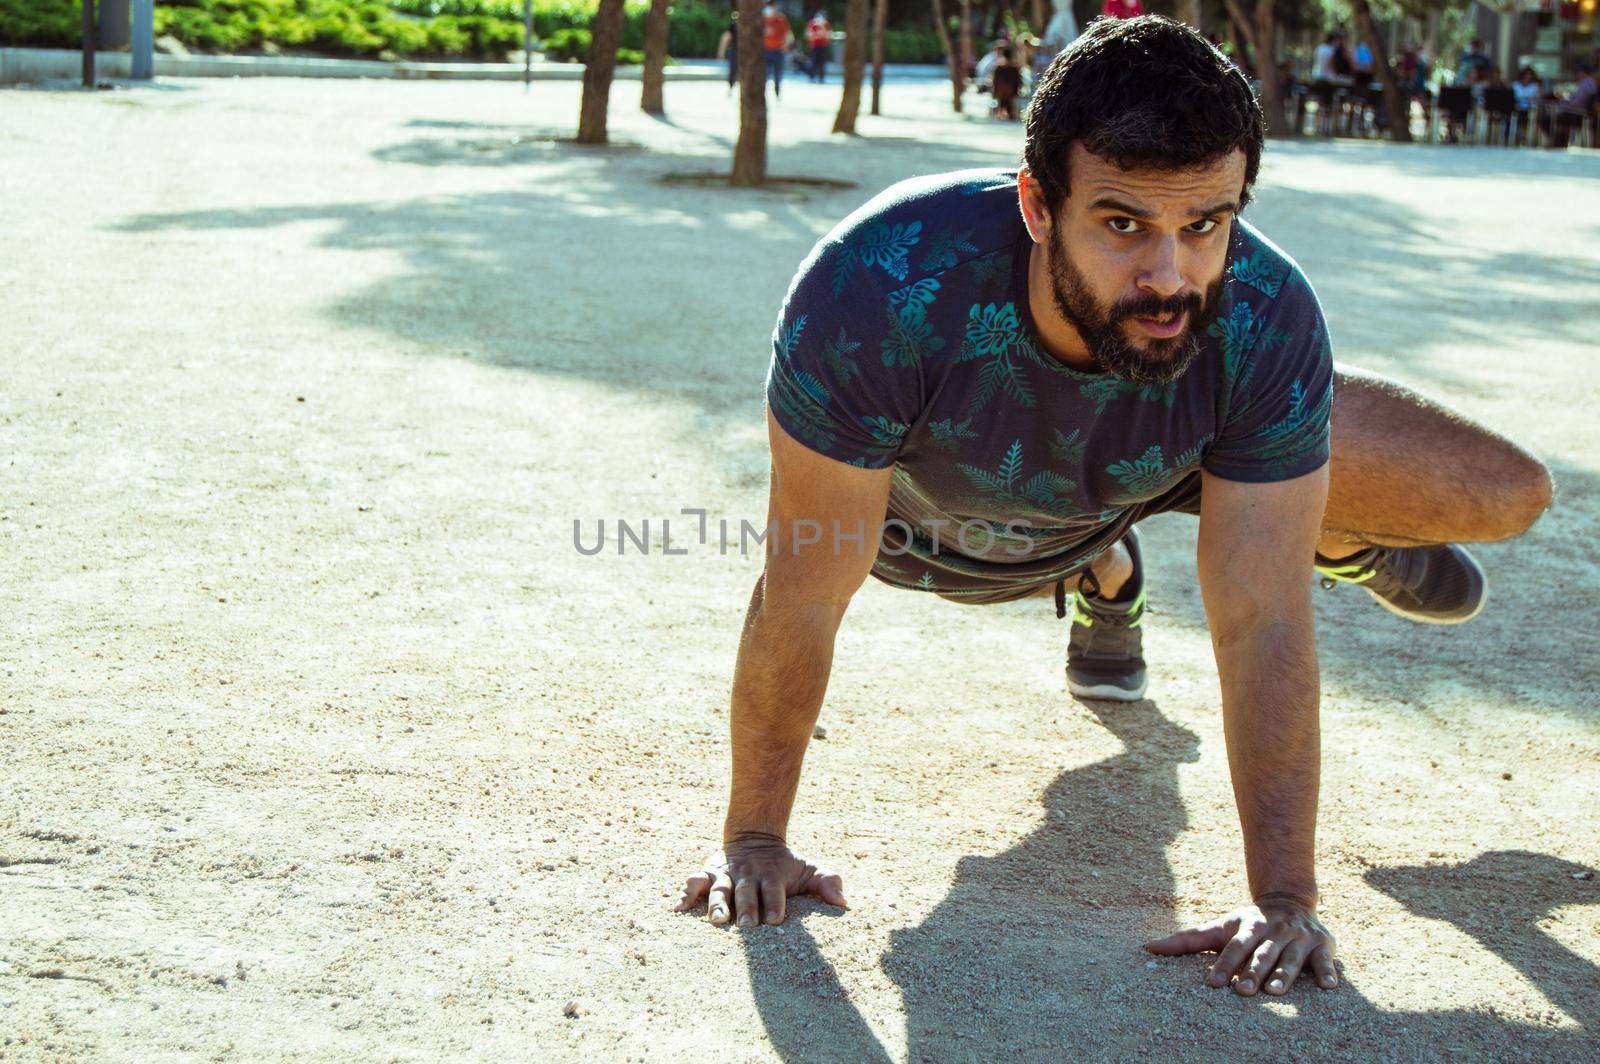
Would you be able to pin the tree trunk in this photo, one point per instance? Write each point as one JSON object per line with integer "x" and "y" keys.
{"x": 1040, "y": 19}
{"x": 1188, "y": 11}
{"x": 1397, "y": 103}
{"x": 1266, "y": 41}
{"x": 750, "y": 153}
{"x": 1242, "y": 22}
{"x": 855, "y": 66}
{"x": 1243, "y": 33}
{"x": 597, "y": 71}
{"x": 957, "y": 76}
{"x": 655, "y": 58}
{"x": 880, "y": 19}
{"x": 966, "y": 38}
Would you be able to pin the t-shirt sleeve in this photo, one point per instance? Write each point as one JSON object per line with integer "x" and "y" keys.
{"x": 834, "y": 383}
{"x": 1280, "y": 374}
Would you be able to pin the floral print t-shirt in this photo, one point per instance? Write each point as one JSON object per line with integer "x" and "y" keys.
{"x": 906, "y": 341}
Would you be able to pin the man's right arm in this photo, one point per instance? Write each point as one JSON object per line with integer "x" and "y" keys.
{"x": 824, "y": 518}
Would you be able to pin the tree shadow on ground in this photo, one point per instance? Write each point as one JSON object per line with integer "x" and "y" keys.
{"x": 522, "y": 279}
{"x": 1034, "y": 952}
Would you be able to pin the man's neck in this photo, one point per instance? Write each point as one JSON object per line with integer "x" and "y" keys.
{"x": 1056, "y": 335}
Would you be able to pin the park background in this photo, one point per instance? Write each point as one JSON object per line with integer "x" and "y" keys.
{"x": 323, "y": 740}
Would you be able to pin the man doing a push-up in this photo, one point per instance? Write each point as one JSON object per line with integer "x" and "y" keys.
{"x": 1006, "y": 371}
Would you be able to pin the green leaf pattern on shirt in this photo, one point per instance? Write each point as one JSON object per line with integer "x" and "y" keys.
{"x": 881, "y": 244}
{"x": 994, "y": 334}
{"x": 1149, "y": 475}
{"x": 911, "y": 337}
{"x": 836, "y": 355}
{"x": 945, "y": 250}
{"x": 1045, "y": 490}
{"x": 1262, "y": 272}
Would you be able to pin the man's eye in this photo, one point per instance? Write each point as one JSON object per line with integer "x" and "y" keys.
{"x": 1123, "y": 225}
{"x": 1205, "y": 225}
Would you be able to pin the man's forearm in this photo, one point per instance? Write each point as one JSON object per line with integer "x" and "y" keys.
{"x": 1270, "y": 695}
{"x": 785, "y": 653}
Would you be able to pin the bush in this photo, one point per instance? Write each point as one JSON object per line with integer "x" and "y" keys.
{"x": 40, "y": 23}
{"x": 912, "y": 46}
{"x": 567, "y": 46}
{"x": 333, "y": 27}
{"x": 478, "y": 29}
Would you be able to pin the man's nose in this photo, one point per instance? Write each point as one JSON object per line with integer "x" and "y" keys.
{"x": 1161, "y": 275}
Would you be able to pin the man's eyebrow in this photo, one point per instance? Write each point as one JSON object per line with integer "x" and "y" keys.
{"x": 1111, "y": 203}
{"x": 1225, "y": 207}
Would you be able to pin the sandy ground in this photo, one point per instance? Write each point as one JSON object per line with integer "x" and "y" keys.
{"x": 321, "y": 741}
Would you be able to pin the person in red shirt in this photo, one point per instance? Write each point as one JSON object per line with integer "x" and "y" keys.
{"x": 775, "y": 38}
{"x": 819, "y": 35}
{"x": 1122, "y": 9}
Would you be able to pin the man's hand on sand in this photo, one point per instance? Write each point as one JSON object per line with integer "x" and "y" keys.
{"x": 1265, "y": 945}
{"x": 751, "y": 881}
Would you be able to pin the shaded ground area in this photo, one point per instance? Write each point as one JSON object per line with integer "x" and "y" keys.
{"x": 323, "y": 740}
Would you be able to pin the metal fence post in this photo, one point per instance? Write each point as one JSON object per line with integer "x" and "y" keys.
{"x": 142, "y": 42}
{"x": 90, "y": 41}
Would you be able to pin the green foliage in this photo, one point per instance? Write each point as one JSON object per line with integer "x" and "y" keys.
{"x": 40, "y": 23}
{"x": 467, "y": 29}
{"x": 912, "y": 46}
{"x": 572, "y": 46}
{"x": 332, "y": 27}
{"x": 567, "y": 45}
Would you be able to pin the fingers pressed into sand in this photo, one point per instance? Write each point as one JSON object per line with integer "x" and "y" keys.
{"x": 1322, "y": 964}
{"x": 718, "y": 908}
{"x": 746, "y": 902}
{"x": 828, "y": 887}
{"x": 1232, "y": 957}
{"x": 695, "y": 890}
{"x": 1262, "y": 962}
{"x": 1290, "y": 961}
{"x": 1212, "y": 936}
{"x": 774, "y": 901}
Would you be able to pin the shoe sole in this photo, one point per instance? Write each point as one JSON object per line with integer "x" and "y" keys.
{"x": 1108, "y": 692}
{"x": 1419, "y": 618}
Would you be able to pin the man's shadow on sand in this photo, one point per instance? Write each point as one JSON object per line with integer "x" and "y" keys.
{"x": 1034, "y": 953}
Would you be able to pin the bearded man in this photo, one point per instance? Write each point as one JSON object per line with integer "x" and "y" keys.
{"x": 1002, "y": 373}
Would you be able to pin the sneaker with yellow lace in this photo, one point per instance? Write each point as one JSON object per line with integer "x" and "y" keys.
{"x": 1441, "y": 584}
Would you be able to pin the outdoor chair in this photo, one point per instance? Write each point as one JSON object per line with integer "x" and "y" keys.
{"x": 1454, "y": 106}
{"x": 1499, "y": 113}
{"x": 1374, "y": 113}
{"x": 1330, "y": 100}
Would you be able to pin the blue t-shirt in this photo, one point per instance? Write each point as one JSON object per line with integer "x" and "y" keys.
{"x": 906, "y": 341}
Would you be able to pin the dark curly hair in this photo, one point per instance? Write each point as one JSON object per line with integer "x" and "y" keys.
{"x": 1143, "y": 93}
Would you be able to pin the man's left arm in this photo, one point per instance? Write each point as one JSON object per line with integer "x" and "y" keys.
{"x": 1257, "y": 542}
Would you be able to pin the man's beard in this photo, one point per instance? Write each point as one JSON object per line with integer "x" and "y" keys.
{"x": 1155, "y": 361}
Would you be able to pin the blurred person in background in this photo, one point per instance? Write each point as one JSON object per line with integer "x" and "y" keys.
{"x": 776, "y": 36}
{"x": 819, "y": 36}
{"x": 1528, "y": 92}
{"x": 1006, "y": 83}
{"x": 728, "y": 48}
{"x": 1570, "y": 113}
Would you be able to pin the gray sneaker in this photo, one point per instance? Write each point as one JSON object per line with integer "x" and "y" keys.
{"x": 1441, "y": 584}
{"x": 1105, "y": 653}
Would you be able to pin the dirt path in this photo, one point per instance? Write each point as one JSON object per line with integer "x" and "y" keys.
{"x": 322, "y": 741}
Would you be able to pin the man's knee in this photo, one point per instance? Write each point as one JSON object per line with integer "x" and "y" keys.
{"x": 1528, "y": 495}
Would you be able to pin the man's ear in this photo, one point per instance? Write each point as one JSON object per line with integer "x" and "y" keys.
{"x": 1035, "y": 215}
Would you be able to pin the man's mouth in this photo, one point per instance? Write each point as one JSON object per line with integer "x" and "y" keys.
{"x": 1163, "y": 326}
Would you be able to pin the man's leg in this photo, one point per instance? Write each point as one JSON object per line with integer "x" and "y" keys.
{"x": 1409, "y": 482}
{"x": 1408, "y": 472}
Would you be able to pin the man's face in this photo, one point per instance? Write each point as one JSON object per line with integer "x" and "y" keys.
{"x": 1136, "y": 259}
